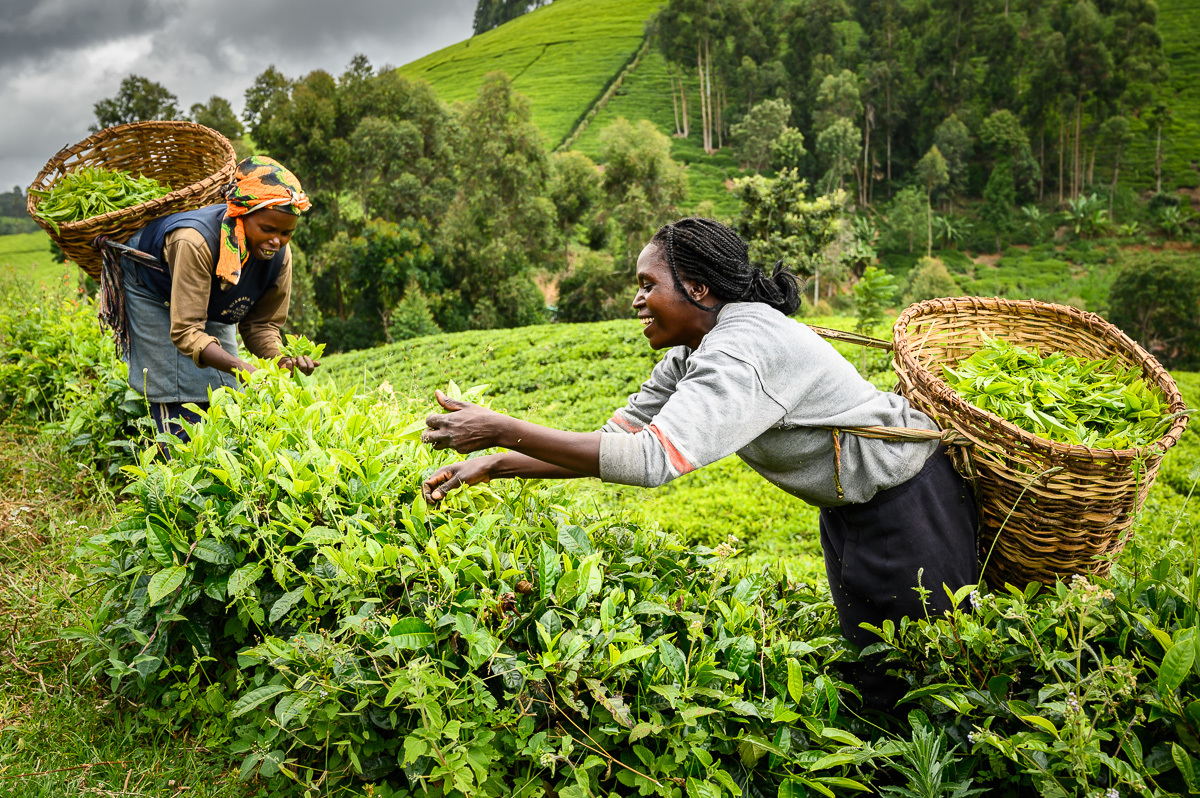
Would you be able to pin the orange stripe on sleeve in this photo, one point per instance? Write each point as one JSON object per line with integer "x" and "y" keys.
{"x": 625, "y": 423}
{"x": 677, "y": 460}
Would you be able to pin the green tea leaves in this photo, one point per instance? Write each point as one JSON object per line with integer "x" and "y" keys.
{"x": 411, "y": 633}
{"x": 165, "y": 582}
{"x": 1096, "y": 403}
{"x": 93, "y": 191}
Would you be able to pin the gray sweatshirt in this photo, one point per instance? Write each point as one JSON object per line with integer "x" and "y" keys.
{"x": 762, "y": 385}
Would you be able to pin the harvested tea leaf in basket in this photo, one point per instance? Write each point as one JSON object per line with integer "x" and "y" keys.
{"x": 92, "y": 191}
{"x": 1095, "y": 403}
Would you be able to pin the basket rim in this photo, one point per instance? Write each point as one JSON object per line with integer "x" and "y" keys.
{"x": 1104, "y": 330}
{"x": 81, "y": 225}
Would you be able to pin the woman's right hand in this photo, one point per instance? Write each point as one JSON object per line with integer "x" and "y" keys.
{"x": 447, "y": 478}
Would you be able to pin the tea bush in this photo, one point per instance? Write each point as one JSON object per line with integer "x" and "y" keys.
{"x": 279, "y": 589}
{"x": 282, "y": 573}
{"x": 280, "y": 583}
{"x": 59, "y": 371}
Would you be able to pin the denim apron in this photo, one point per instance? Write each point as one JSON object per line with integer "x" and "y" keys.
{"x": 156, "y": 366}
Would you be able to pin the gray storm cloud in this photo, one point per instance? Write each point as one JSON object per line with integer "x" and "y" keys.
{"x": 59, "y": 57}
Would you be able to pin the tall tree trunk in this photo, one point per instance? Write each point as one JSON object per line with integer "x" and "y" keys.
{"x": 720, "y": 109}
{"x": 674, "y": 99}
{"x": 1158, "y": 159}
{"x": 1062, "y": 146}
{"x": 1091, "y": 170}
{"x": 1112, "y": 189}
{"x": 868, "y": 117}
{"x": 703, "y": 98}
{"x": 1042, "y": 165}
{"x": 708, "y": 89}
{"x": 929, "y": 223}
{"x": 1079, "y": 143}
{"x": 687, "y": 130}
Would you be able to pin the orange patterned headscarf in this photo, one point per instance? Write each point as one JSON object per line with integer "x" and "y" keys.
{"x": 259, "y": 182}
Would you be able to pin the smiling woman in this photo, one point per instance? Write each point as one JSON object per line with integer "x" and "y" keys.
{"x": 743, "y": 378}
{"x": 221, "y": 266}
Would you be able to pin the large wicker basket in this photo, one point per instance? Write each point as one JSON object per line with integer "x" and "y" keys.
{"x": 196, "y": 161}
{"x": 1048, "y": 509}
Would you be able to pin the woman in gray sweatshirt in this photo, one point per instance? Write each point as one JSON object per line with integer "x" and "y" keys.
{"x": 743, "y": 378}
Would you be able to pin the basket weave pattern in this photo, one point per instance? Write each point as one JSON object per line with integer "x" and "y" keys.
{"x": 1047, "y": 507}
{"x": 195, "y": 160}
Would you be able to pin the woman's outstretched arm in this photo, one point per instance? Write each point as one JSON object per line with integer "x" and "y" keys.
{"x": 534, "y": 451}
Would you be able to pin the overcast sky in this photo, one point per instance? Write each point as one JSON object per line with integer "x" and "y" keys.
{"x": 59, "y": 57}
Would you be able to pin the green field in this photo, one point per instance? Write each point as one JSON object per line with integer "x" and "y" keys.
{"x": 28, "y": 255}
{"x": 564, "y": 64}
{"x": 1178, "y": 22}
{"x": 646, "y": 94}
{"x": 561, "y": 56}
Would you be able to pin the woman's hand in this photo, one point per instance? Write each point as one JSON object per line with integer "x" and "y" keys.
{"x": 465, "y": 428}
{"x": 213, "y": 356}
{"x": 304, "y": 363}
{"x": 455, "y": 475}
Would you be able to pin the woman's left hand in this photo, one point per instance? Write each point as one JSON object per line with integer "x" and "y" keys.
{"x": 303, "y": 363}
{"x": 464, "y": 428}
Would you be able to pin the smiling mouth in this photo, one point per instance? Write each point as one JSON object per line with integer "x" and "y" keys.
{"x": 646, "y": 321}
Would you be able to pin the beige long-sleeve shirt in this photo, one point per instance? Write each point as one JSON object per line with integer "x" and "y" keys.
{"x": 190, "y": 262}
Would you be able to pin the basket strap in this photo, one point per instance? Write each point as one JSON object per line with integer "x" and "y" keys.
{"x": 111, "y": 311}
{"x": 851, "y": 338}
{"x": 903, "y": 434}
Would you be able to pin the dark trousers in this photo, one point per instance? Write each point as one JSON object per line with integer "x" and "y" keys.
{"x": 874, "y": 552}
{"x": 167, "y": 416}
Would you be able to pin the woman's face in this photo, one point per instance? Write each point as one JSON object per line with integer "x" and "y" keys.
{"x": 667, "y": 318}
{"x": 268, "y": 231}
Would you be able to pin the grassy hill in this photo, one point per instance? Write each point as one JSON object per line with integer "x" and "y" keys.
{"x": 646, "y": 94}
{"x": 562, "y": 56}
{"x": 1179, "y": 23}
{"x": 27, "y": 255}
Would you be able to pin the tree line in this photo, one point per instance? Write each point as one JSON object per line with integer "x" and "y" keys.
{"x": 429, "y": 217}
{"x": 859, "y": 92}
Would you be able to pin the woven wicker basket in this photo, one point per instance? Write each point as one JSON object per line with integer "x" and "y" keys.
{"x": 1047, "y": 508}
{"x": 195, "y": 160}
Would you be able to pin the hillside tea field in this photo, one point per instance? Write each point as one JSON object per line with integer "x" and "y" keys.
{"x": 26, "y": 256}
{"x": 645, "y": 94}
{"x": 560, "y": 55}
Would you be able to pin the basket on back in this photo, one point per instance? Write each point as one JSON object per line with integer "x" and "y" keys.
{"x": 195, "y": 161}
{"x": 1047, "y": 508}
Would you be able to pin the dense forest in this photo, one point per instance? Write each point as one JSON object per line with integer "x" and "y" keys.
{"x": 1044, "y": 91}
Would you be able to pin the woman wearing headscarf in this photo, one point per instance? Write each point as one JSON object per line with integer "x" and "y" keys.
{"x": 222, "y": 266}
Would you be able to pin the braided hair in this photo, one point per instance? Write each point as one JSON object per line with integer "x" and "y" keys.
{"x": 708, "y": 252}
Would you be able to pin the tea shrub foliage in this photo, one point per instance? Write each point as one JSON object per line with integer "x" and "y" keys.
{"x": 280, "y": 579}
{"x": 279, "y": 590}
